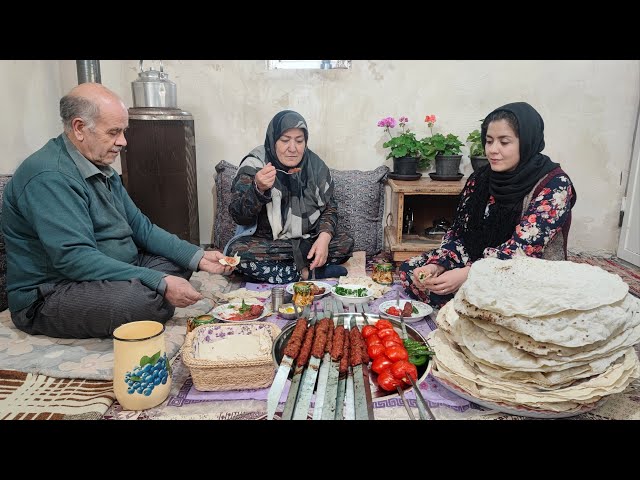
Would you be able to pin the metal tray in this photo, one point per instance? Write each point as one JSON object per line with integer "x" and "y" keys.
{"x": 376, "y": 392}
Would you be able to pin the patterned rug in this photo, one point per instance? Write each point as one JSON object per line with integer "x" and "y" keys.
{"x": 629, "y": 274}
{"x": 25, "y": 396}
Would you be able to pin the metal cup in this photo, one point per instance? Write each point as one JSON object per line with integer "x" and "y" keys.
{"x": 277, "y": 298}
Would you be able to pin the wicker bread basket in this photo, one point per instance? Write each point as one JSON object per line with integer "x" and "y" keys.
{"x": 217, "y": 375}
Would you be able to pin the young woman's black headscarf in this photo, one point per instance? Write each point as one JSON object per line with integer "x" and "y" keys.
{"x": 508, "y": 188}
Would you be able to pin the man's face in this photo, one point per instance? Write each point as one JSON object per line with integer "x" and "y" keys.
{"x": 102, "y": 143}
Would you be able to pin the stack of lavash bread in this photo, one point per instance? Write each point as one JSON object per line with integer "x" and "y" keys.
{"x": 539, "y": 336}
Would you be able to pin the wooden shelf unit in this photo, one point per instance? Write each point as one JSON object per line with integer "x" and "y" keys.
{"x": 429, "y": 200}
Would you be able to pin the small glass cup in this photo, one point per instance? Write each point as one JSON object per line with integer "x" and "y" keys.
{"x": 383, "y": 273}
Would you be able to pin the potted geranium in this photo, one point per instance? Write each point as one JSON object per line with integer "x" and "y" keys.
{"x": 476, "y": 150}
{"x": 405, "y": 149}
{"x": 445, "y": 150}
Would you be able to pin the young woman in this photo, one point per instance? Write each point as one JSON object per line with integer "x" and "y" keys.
{"x": 520, "y": 204}
{"x": 284, "y": 206}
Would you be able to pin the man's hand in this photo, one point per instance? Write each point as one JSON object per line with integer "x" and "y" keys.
{"x": 179, "y": 292}
{"x": 447, "y": 282}
{"x": 319, "y": 250}
{"x": 210, "y": 263}
{"x": 265, "y": 177}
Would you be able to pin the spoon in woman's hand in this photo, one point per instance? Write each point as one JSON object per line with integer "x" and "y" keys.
{"x": 290, "y": 172}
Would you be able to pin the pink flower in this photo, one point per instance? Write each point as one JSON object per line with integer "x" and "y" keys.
{"x": 388, "y": 122}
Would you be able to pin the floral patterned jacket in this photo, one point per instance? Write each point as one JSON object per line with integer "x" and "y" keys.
{"x": 542, "y": 220}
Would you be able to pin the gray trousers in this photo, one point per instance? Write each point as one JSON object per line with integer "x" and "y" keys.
{"x": 95, "y": 309}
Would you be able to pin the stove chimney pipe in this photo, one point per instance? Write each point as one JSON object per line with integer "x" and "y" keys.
{"x": 88, "y": 71}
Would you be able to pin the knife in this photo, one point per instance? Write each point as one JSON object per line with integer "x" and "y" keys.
{"x": 334, "y": 394}
{"x": 323, "y": 375}
{"x": 359, "y": 396}
{"x": 309, "y": 381}
{"x": 289, "y": 405}
{"x": 285, "y": 365}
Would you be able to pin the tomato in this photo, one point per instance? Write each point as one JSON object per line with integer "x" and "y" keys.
{"x": 382, "y": 323}
{"x": 374, "y": 351}
{"x": 388, "y": 382}
{"x": 373, "y": 340}
{"x": 403, "y": 369}
{"x": 368, "y": 330}
{"x": 391, "y": 341}
{"x": 395, "y": 311}
{"x": 396, "y": 353}
{"x": 380, "y": 364}
{"x": 385, "y": 332}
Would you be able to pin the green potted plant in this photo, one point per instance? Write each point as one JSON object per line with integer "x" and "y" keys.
{"x": 445, "y": 150}
{"x": 476, "y": 150}
{"x": 405, "y": 149}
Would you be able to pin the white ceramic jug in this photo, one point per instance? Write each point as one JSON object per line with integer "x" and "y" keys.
{"x": 141, "y": 371}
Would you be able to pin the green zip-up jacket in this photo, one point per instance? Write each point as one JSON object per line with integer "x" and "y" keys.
{"x": 63, "y": 218}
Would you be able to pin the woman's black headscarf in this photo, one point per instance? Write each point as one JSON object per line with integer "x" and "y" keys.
{"x": 508, "y": 188}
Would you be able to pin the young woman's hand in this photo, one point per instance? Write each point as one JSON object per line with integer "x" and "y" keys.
{"x": 422, "y": 274}
{"x": 319, "y": 251}
{"x": 448, "y": 282}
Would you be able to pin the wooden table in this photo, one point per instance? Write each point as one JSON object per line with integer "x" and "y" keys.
{"x": 429, "y": 200}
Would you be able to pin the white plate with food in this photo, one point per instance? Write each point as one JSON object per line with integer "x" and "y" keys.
{"x": 419, "y": 310}
{"x": 318, "y": 289}
{"x": 350, "y": 293}
{"x": 241, "y": 311}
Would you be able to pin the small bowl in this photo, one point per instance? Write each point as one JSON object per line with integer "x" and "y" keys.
{"x": 289, "y": 311}
{"x": 349, "y": 299}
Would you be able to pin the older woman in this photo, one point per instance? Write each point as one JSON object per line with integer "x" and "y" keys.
{"x": 520, "y": 204}
{"x": 285, "y": 210}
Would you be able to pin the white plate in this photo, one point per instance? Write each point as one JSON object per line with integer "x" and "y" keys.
{"x": 515, "y": 410}
{"x": 326, "y": 286}
{"x": 352, "y": 300}
{"x": 222, "y": 311}
{"x": 423, "y": 310}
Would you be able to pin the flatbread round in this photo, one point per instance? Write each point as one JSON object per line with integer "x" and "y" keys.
{"x": 230, "y": 261}
{"x": 532, "y": 287}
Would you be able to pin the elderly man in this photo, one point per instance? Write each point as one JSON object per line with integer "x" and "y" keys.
{"x": 82, "y": 259}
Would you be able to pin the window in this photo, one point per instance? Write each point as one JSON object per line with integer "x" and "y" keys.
{"x": 308, "y": 64}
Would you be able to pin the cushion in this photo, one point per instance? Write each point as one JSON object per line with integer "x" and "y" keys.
{"x": 360, "y": 198}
